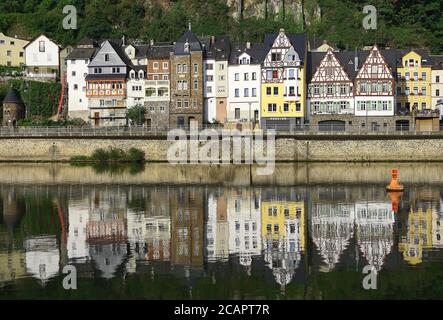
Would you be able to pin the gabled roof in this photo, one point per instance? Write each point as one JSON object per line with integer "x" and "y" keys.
{"x": 121, "y": 53}
{"x": 12, "y": 96}
{"x": 426, "y": 60}
{"x": 316, "y": 43}
{"x": 42, "y": 35}
{"x": 297, "y": 40}
{"x": 191, "y": 38}
{"x": 255, "y": 52}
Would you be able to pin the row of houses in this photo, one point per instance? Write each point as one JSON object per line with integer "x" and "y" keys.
{"x": 285, "y": 83}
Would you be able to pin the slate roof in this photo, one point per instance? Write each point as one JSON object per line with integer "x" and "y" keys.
{"x": 297, "y": 40}
{"x": 191, "y": 38}
{"x": 315, "y": 43}
{"x": 121, "y": 53}
{"x": 426, "y": 60}
{"x": 255, "y": 52}
{"x": 437, "y": 62}
{"x": 219, "y": 50}
{"x": 12, "y": 96}
{"x": 159, "y": 51}
{"x": 81, "y": 54}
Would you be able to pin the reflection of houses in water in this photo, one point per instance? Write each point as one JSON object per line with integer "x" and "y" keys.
{"x": 12, "y": 209}
{"x": 244, "y": 216}
{"x": 283, "y": 233}
{"x": 106, "y": 230}
{"x": 158, "y": 224}
{"x": 12, "y": 265}
{"x": 187, "y": 232}
{"x": 374, "y": 231}
{"x": 77, "y": 246}
{"x": 42, "y": 257}
{"x": 418, "y": 235}
{"x": 332, "y": 227}
{"x": 217, "y": 228}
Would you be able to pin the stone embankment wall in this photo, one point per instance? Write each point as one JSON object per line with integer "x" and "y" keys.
{"x": 294, "y": 149}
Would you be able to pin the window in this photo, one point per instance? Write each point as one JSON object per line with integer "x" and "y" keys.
{"x": 268, "y": 91}
{"x": 179, "y": 85}
{"x": 254, "y": 76}
{"x": 374, "y": 105}
{"x": 424, "y": 76}
{"x": 291, "y": 74}
{"x": 275, "y": 91}
{"x": 194, "y": 104}
{"x": 237, "y": 93}
{"x": 9, "y": 53}
{"x": 179, "y": 68}
{"x": 106, "y": 57}
{"x": 185, "y": 85}
{"x": 297, "y": 107}
{"x": 437, "y": 79}
{"x": 246, "y": 76}
{"x": 343, "y": 105}
{"x": 269, "y": 74}
{"x": 423, "y": 105}
{"x": 254, "y": 92}
{"x": 195, "y": 85}
{"x": 75, "y": 86}
{"x": 275, "y": 74}
{"x": 41, "y": 46}
{"x": 286, "y": 107}
{"x": 246, "y": 92}
{"x": 186, "y": 104}
{"x": 237, "y": 77}
{"x": 209, "y": 66}
{"x": 437, "y": 92}
{"x": 155, "y": 65}
{"x": 210, "y": 78}
{"x": 179, "y": 104}
{"x": 329, "y": 89}
{"x": 209, "y": 89}
{"x": 272, "y": 107}
{"x": 195, "y": 68}
{"x": 221, "y": 67}
{"x": 343, "y": 88}
{"x": 165, "y": 65}
{"x": 316, "y": 106}
{"x": 237, "y": 113}
{"x": 102, "y": 103}
{"x": 275, "y": 57}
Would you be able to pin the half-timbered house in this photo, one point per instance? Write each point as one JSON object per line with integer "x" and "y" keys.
{"x": 283, "y": 81}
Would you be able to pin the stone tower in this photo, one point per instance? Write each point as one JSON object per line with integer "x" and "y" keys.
{"x": 13, "y": 108}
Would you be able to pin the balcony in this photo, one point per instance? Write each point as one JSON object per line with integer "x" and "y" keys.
{"x": 427, "y": 113}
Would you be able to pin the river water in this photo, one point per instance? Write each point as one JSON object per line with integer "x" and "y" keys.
{"x": 307, "y": 233}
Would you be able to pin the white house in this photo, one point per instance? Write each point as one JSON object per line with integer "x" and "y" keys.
{"x": 77, "y": 246}
{"x": 42, "y": 59}
{"x": 136, "y": 94}
{"x": 42, "y": 257}
{"x": 244, "y": 73}
{"x": 209, "y": 90}
{"x": 437, "y": 84}
{"x": 77, "y": 70}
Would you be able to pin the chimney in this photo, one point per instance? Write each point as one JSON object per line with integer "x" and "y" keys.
{"x": 212, "y": 39}
{"x": 123, "y": 40}
{"x": 151, "y": 42}
{"x": 248, "y": 45}
{"x": 356, "y": 61}
{"x": 190, "y": 26}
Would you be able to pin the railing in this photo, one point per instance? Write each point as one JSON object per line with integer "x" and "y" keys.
{"x": 41, "y": 75}
{"x": 140, "y": 131}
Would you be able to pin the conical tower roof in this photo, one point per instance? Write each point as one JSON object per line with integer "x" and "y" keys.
{"x": 12, "y": 97}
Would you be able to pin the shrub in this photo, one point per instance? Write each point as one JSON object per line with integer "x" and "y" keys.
{"x": 135, "y": 155}
{"x": 100, "y": 155}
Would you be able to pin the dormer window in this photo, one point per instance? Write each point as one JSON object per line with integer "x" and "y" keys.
{"x": 132, "y": 74}
{"x": 141, "y": 75}
{"x": 106, "y": 57}
{"x": 186, "y": 46}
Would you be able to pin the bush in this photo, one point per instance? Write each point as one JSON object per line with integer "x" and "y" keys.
{"x": 115, "y": 155}
{"x": 135, "y": 155}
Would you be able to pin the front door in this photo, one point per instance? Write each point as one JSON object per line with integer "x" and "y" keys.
{"x": 96, "y": 119}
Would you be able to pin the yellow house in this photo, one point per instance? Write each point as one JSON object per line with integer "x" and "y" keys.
{"x": 279, "y": 218}
{"x": 414, "y": 81}
{"x": 283, "y": 85}
{"x": 418, "y": 237}
{"x": 12, "y": 52}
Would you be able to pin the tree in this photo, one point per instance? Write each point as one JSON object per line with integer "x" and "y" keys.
{"x": 137, "y": 114}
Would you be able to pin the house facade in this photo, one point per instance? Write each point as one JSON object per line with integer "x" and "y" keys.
{"x": 42, "y": 59}
{"x": 437, "y": 84}
{"x": 136, "y": 87}
{"x": 244, "y": 73}
{"x": 186, "y": 82}
{"x": 215, "y": 67}
{"x": 330, "y": 91}
{"x": 375, "y": 90}
{"x": 106, "y": 85}
{"x": 283, "y": 81}
{"x": 12, "y": 51}
{"x": 158, "y": 85}
{"x": 76, "y": 72}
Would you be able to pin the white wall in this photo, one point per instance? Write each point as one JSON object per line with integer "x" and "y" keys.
{"x": 35, "y": 58}
{"x": 76, "y": 74}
